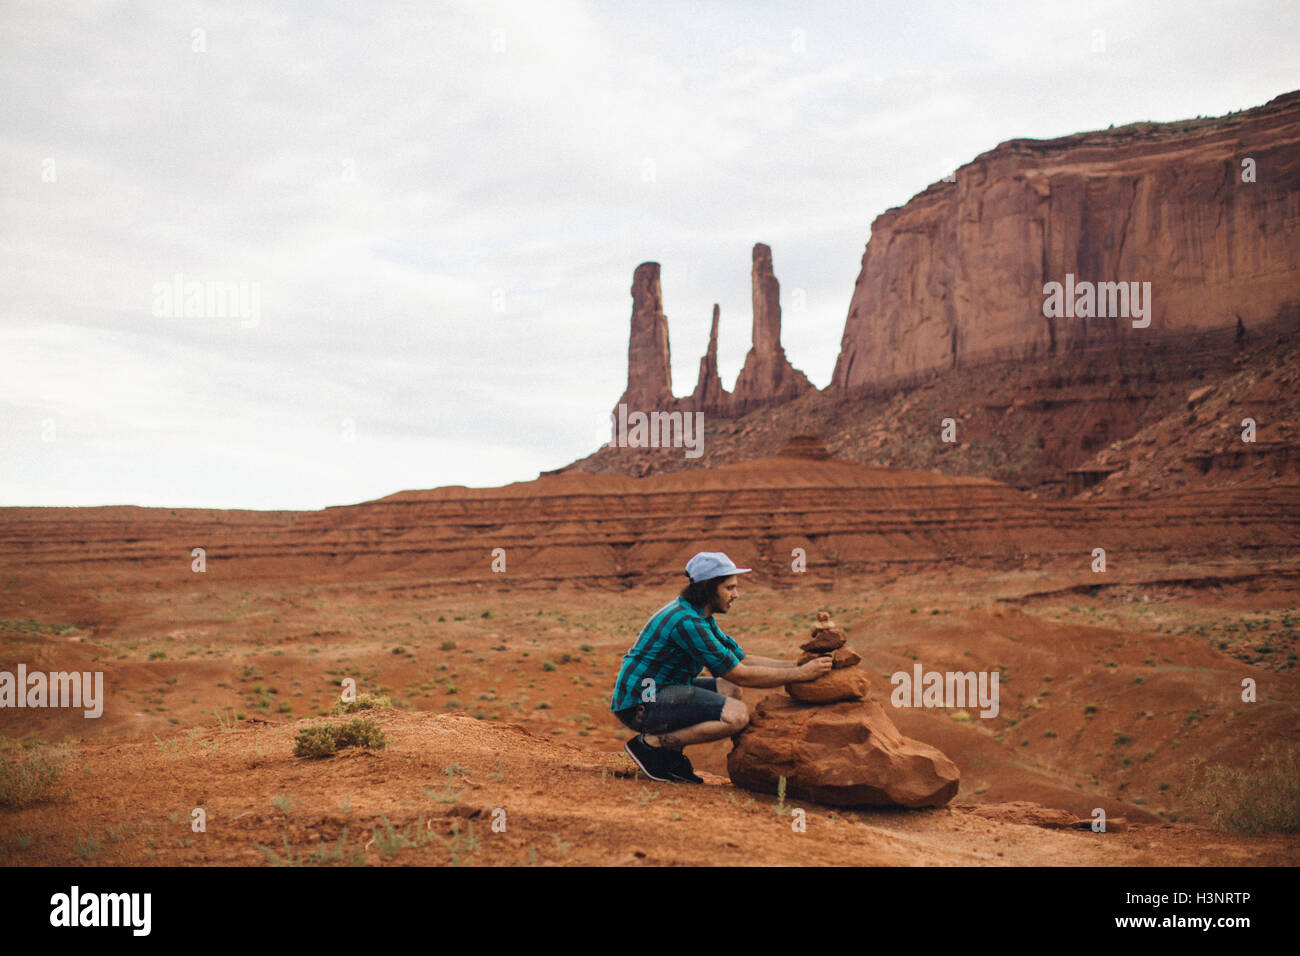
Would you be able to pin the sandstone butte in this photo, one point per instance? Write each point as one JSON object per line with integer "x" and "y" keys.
{"x": 766, "y": 377}
{"x": 1203, "y": 210}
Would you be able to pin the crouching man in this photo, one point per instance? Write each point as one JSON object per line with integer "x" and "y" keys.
{"x": 658, "y": 693}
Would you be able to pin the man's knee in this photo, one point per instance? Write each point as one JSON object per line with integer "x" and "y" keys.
{"x": 733, "y": 691}
{"x": 735, "y": 715}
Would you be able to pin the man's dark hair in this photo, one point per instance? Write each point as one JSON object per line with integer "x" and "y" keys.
{"x": 701, "y": 593}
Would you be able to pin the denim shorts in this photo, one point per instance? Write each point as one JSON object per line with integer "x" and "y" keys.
{"x": 676, "y": 706}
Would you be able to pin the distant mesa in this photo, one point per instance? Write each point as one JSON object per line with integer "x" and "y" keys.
{"x": 955, "y": 276}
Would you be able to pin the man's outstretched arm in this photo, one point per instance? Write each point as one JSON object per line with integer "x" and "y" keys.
{"x": 749, "y": 674}
{"x": 768, "y": 661}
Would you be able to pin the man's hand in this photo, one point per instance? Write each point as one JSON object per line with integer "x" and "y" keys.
{"x": 814, "y": 669}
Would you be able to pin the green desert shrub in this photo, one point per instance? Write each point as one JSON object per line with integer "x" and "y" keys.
{"x": 28, "y": 776}
{"x": 1262, "y": 796}
{"x": 316, "y": 741}
{"x": 362, "y": 702}
{"x": 362, "y": 732}
{"x": 324, "y": 740}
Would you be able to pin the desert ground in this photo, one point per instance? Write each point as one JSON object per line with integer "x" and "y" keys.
{"x": 1118, "y": 690}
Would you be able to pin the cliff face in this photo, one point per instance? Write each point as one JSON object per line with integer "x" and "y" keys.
{"x": 958, "y": 274}
{"x": 766, "y": 378}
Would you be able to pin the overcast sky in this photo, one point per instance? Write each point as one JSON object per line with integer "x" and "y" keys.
{"x": 432, "y": 211}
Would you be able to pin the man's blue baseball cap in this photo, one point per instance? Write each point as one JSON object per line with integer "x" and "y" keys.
{"x": 712, "y": 564}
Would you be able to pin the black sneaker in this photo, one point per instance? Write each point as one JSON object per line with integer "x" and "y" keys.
{"x": 683, "y": 771}
{"x": 655, "y": 762}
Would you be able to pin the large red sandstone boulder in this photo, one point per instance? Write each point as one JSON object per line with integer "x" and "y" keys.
{"x": 847, "y": 754}
{"x": 849, "y": 683}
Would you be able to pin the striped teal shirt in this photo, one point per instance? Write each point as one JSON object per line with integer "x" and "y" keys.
{"x": 673, "y": 647}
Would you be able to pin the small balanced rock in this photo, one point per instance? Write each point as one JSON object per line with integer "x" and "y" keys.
{"x": 825, "y": 636}
{"x": 844, "y": 681}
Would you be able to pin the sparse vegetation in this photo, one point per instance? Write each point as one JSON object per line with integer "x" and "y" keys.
{"x": 389, "y": 841}
{"x": 321, "y": 853}
{"x": 460, "y": 845}
{"x": 324, "y": 740}
{"x": 449, "y": 794}
{"x": 29, "y": 776}
{"x": 1247, "y": 800}
{"x": 362, "y": 702}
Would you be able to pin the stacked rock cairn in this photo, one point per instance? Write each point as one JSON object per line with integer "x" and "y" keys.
{"x": 845, "y": 680}
{"x": 833, "y": 744}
